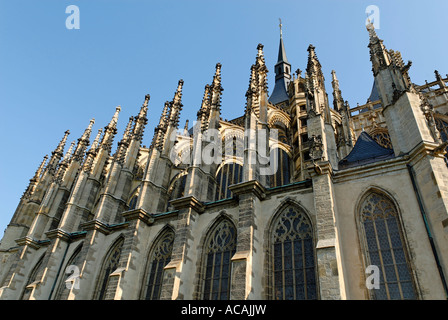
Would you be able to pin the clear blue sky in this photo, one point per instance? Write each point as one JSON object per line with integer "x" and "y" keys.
{"x": 53, "y": 79}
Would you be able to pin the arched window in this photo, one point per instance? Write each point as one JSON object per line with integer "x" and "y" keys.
{"x": 64, "y": 289}
{"x": 110, "y": 264}
{"x": 293, "y": 259}
{"x": 219, "y": 249}
{"x": 282, "y": 174}
{"x": 384, "y": 248}
{"x": 228, "y": 174}
{"x": 133, "y": 202}
{"x": 32, "y": 278}
{"x": 159, "y": 258}
{"x": 177, "y": 189}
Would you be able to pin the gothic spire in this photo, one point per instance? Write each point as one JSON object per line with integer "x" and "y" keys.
{"x": 124, "y": 142}
{"x": 35, "y": 179}
{"x": 57, "y": 154}
{"x": 338, "y": 101}
{"x": 282, "y": 74}
{"x": 83, "y": 142}
{"x": 176, "y": 105}
{"x": 110, "y": 130}
{"x": 141, "y": 120}
{"x": 160, "y": 129}
{"x": 216, "y": 88}
{"x": 204, "y": 111}
{"x": 64, "y": 163}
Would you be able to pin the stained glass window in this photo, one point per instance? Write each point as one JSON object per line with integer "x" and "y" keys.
{"x": 282, "y": 174}
{"x": 219, "y": 249}
{"x": 110, "y": 265}
{"x": 33, "y": 275}
{"x": 293, "y": 257}
{"x": 228, "y": 174}
{"x": 64, "y": 289}
{"x": 133, "y": 202}
{"x": 384, "y": 240}
{"x": 160, "y": 257}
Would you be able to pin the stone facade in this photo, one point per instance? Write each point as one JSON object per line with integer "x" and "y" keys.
{"x": 164, "y": 222}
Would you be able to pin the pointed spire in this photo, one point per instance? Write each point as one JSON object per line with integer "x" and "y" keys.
{"x": 204, "y": 111}
{"x": 57, "y": 154}
{"x": 176, "y": 105}
{"x": 35, "y": 179}
{"x": 110, "y": 131}
{"x": 338, "y": 101}
{"x": 64, "y": 163}
{"x": 160, "y": 129}
{"x": 40, "y": 169}
{"x": 216, "y": 88}
{"x": 83, "y": 142}
{"x": 282, "y": 75}
{"x": 124, "y": 142}
{"x": 371, "y": 29}
{"x": 96, "y": 141}
{"x": 141, "y": 120}
{"x": 93, "y": 151}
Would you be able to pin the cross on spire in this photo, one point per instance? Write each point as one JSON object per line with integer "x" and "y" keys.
{"x": 280, "y": 25}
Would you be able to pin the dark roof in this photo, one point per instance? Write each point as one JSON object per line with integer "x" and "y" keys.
{"x": 374, "y": 96}
{"x": 366, "y": 150}
{"x": 279, "y": 94}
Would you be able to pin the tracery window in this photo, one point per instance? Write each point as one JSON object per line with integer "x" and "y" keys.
{"x": 33, "y": 276}
{"x": 282, "y": 175}
{"x": 110, "y": 265}
{"x": 64, "y": 290}
{"x": 384, "y": 248}
{"x": 219, "y": 249}
{"x": 228, "y": 174}
{"x": 159, "y": 258}
{"x": 293, "y": 258}
{"x": 383, "y": 139}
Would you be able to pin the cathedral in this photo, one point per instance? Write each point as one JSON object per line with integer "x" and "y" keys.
{"x": 295, "y": 199}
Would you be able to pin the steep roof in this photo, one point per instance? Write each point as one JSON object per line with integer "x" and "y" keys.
{"x": 366, "y": 150}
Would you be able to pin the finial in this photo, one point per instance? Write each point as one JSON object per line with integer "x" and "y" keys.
{"x": 280, "y": 25}
{"x": 114, "y": 121}
{"x": 69, "y": 151}
{"x": 41, "y": 168}
{"x": 96, "y": 140}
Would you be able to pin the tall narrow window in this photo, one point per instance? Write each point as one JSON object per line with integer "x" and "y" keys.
{"x": 280, "y": 161}
{"x": 110, "y": 265}
{"x": 159, "y": 258}
{"x": 230, "y": 173}
{"x": 64, "y": 288}
{"x": 33, "y": 276}
{"x": 384, "y": 246}
{"x": 219, "y": 249}
{"x": 293, "y": 257}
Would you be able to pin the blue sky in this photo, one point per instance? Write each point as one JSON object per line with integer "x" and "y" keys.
{"x": 53, "y": 79}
